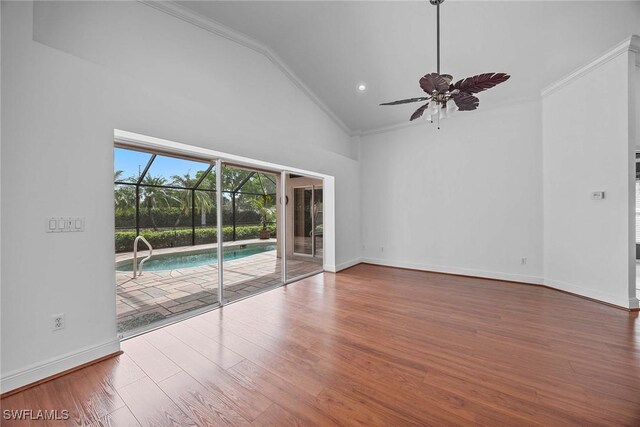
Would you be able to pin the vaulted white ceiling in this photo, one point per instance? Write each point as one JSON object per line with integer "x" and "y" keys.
{"x": 333, "y": 46}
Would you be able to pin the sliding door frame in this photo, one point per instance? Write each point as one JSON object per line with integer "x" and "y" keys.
{"x": 144, "y": 142}
{"x": 219, "y": 232}
{"x": 283, "y": 223}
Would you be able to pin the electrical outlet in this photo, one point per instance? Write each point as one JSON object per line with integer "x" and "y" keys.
{"x": 523, "y": 260}
{"x": 57, "y": 321}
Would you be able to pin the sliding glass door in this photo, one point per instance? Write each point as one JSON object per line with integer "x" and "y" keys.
{"x": 192, "y": 234}
{"x": 249, "y": 218}
{"x": 165, "y": 238}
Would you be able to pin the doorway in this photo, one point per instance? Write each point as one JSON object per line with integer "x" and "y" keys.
{"x": 305, "y": 229}
{"x": 307, "y": 221}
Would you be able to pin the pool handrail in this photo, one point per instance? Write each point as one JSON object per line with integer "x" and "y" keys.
{"x": 135, "y": 255}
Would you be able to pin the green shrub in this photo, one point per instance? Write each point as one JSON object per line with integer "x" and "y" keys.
{"x": 182, "y": 237}
{"x": 124, "y": 241}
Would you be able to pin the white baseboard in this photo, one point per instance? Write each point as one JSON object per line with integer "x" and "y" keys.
{"x": 39, "y": 371}
{"x": 458, "y": 270}
{"x": 623, "y": 302}
{"x": 331, "y": 268}
{"x": 345, "y": 265}
{"x": 593, "y": 294}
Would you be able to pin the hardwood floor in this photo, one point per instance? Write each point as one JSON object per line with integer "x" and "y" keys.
{"x": 369, "y": 346}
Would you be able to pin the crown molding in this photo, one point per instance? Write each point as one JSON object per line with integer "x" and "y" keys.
{"x": 183, "y": 13}
{"x": 631, "y": 44}
{"x": 390, "y": 128}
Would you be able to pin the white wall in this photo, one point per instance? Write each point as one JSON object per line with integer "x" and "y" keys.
{"x": 463, "y": 199}
{"x": 588, "y": 145}
{"x": 68, "y": 81}
{"x": 471, "y": 197}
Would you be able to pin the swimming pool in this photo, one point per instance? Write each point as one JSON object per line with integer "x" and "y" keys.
{"x": 196, "y": 258}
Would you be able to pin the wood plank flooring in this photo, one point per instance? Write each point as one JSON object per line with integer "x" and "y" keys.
{"x": 370, "y": 346}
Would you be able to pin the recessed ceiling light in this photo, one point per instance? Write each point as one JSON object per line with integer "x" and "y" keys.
{"x": 362, "y": 88}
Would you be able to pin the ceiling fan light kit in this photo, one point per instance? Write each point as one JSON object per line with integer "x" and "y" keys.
{"x": 440, "y": 91}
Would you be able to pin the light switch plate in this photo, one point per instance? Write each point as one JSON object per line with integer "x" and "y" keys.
{"x": 77, "y": 223}
{"x": 51, "y": 225}
{"x": 69, "y": 224}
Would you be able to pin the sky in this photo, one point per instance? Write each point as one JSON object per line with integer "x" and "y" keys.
{"x": 133, "y": 162}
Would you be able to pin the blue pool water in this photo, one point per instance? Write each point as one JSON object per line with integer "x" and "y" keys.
{"x": 195, "y": 258}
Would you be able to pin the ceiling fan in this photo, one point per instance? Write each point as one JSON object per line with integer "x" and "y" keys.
{"x": 440, "y": 90}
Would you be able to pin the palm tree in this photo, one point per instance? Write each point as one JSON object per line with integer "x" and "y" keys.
{"x": 266, "y": 209}
{"x": 124, "y": 196}
{"x": 184, "y": 197}
{"x": 155, "y": 196}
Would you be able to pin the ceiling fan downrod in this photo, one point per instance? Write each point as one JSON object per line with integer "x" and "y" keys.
{"x": 436, "y": 3}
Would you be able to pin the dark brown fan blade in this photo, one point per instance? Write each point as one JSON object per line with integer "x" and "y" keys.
{"x": 480, "y": 82}
{"x": 418, "y": 113}
{"x": 406, "y": 101}
{"x": 433, "y": 82}
{"x": 466, "y": 102}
